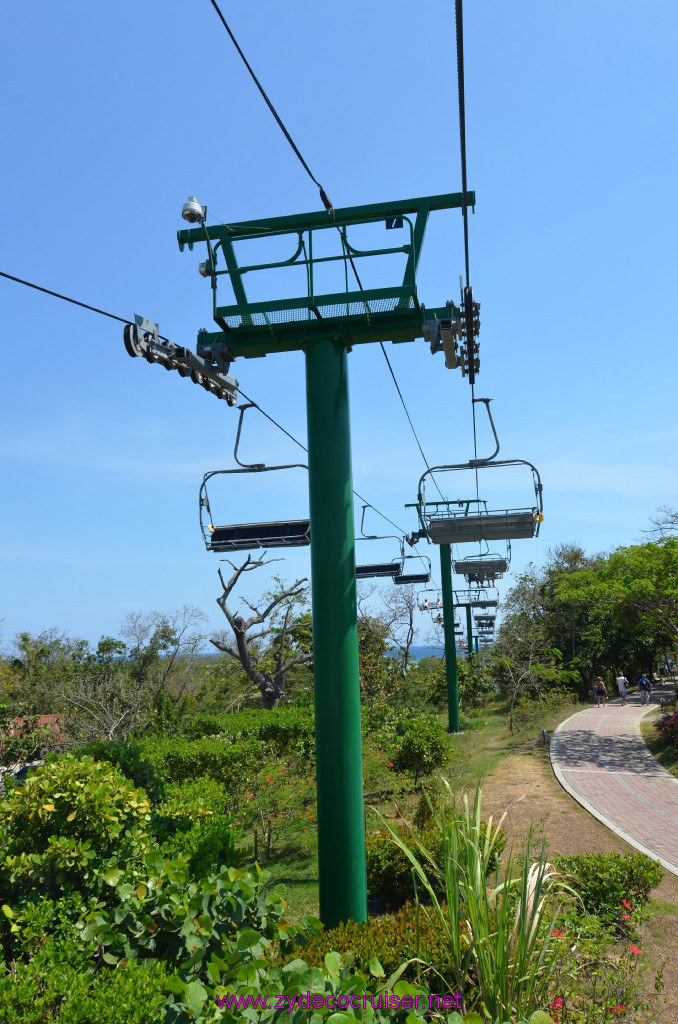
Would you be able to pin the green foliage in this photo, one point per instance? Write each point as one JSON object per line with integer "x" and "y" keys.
{"x": 192, "y": 823}
{"x": 389, "y": 872}
{"x": 55, "y": 987}
{"x": 33, "y": 923}
{"x": 423, "y": 747}
{"x": 499, "y": 936}
{"x": 600, "y": 972}
{"x": 72, "y": 817}
{"x": 389, "y": 868}
{"x": 667, "y": 727}
{"x": 22, "y": 743}
{"x": 163, "y": 914}
{"x": 279, "y": 806}
{"x": 392, "y": 939}
{"x": 179, "y": 760}
{"x": 604, "y": 880}
{"x": 530, "y": 712}
{"x": 129, "y": 759}
{"x": 284, "y": 731}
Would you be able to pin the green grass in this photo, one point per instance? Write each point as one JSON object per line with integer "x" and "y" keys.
{"x": 488, "y": 739}
{"x": 666, "y": 755}
{"x": 298, "y": 871}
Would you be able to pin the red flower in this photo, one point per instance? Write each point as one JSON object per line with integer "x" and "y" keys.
{"x": 557, "y": 1003}
{"x": 558, "y": 932}
{"x": 626, "y": 917}
{"x": 626, "y": 904}
{"x": 634, "y": 949}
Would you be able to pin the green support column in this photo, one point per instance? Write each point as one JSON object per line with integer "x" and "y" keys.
{"x": 477, "y": 644}
{"x": 341, "y": 820}
{"x": 450, "y": 640}
{"x": 469, "y": 629}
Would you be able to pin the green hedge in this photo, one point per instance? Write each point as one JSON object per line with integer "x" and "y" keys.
{"x": 286, "y": 730}
{"x": 233, "y": 764}
{"x": 604, "y": 880}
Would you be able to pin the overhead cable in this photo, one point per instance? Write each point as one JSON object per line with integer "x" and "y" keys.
{"x": 123, "y": 320}
{"x": 326, "y": 202}
{"x": 323, "y": 195}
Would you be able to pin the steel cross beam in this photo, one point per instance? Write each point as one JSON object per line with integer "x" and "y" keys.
{"x": 355, "y": 315}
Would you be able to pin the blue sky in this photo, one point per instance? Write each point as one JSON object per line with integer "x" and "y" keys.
{"x": 114, "y": 114}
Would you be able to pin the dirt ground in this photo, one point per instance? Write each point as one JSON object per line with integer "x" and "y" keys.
{"x": 523, "y": 784}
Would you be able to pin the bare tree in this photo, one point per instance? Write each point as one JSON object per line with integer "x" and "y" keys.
{"x": 665, "y": 521}
{"x": 166, "y": 647}
{"x": 265, "y": 664}
{"x": 400, "y": 604}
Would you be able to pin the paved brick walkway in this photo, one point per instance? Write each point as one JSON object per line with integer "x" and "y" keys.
{"x": 600, "y": 759}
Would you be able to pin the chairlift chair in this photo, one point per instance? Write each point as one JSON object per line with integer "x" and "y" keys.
{"x": 481, "y": 569}
{"x": 421, "y": 597}
{"x": 379, "y": 570}
{"x": 449, "y": 524}
{"x": 247, "y": 536}
{"x": 414, "y": 577}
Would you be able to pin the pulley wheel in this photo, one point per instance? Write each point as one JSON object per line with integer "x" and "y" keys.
{"x": 130, "y": 336}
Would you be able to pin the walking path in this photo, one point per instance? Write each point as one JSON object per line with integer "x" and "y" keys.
{"x": 599, "y": 758}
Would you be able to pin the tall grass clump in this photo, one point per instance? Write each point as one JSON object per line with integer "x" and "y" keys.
{"x": 497, "y": 933}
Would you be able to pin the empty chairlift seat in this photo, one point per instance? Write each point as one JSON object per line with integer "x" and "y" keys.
{"x": 283, "y": 533}
{"x": 246, "y": 536}
{"x": 454, "y": 522}
{"x": 378, "y": 570}
{"x": 480, "y": 569}
{"x": 413, "y": 577}
{"x": 488, "y": 526}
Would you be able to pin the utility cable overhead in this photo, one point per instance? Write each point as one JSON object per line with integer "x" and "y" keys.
{"x": 326, "y": 203}
{"x": 459, "y": 20}
{"x": 323, "y": 195}
{"x": 123, "y": 320}
{"x": 66, "y": 298}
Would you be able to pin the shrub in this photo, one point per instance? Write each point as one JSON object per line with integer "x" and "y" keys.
{"x": 129, "y": 759}
{"x": 233, "y": 764}
{"x": 163, "y": 915}
{"x": 57, "y": 988}
{"x": 393, "y": 939}
{"x": 423, "y": 747}
{"x": 192, "y": 823}
{"x": 33, "y": 924}
{"x": 67, "y": 822}
{"x": 389, "y": 869}
{"x": 667, "y": 727}
{"x": 604, "y": 880}
{"x": 285, "y": 731}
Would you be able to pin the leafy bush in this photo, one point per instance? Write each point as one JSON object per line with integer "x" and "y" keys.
{"x": 233, "y": 764}
{"x": 129, "y": 759}
{"x": 164, "y": 915}
{"x": 32, "y": 924}
{"x": 667, "y": 727}
{"x": 423, "y": 747}
{"x": 389, "y": 869}
{"x": 393, "y": 939}
{"x": 192, "y": 823}
{"x": 72, "y": 817}
{"x": 285, "y": 731}
{"x": 604, "y": 880}
{"x": 56, "y": 988}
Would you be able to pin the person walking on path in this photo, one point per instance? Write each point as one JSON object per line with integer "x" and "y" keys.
{"x": 645, "y": 686}
{"x": 622, "y": 685}
{"x": 600, "y": 691}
